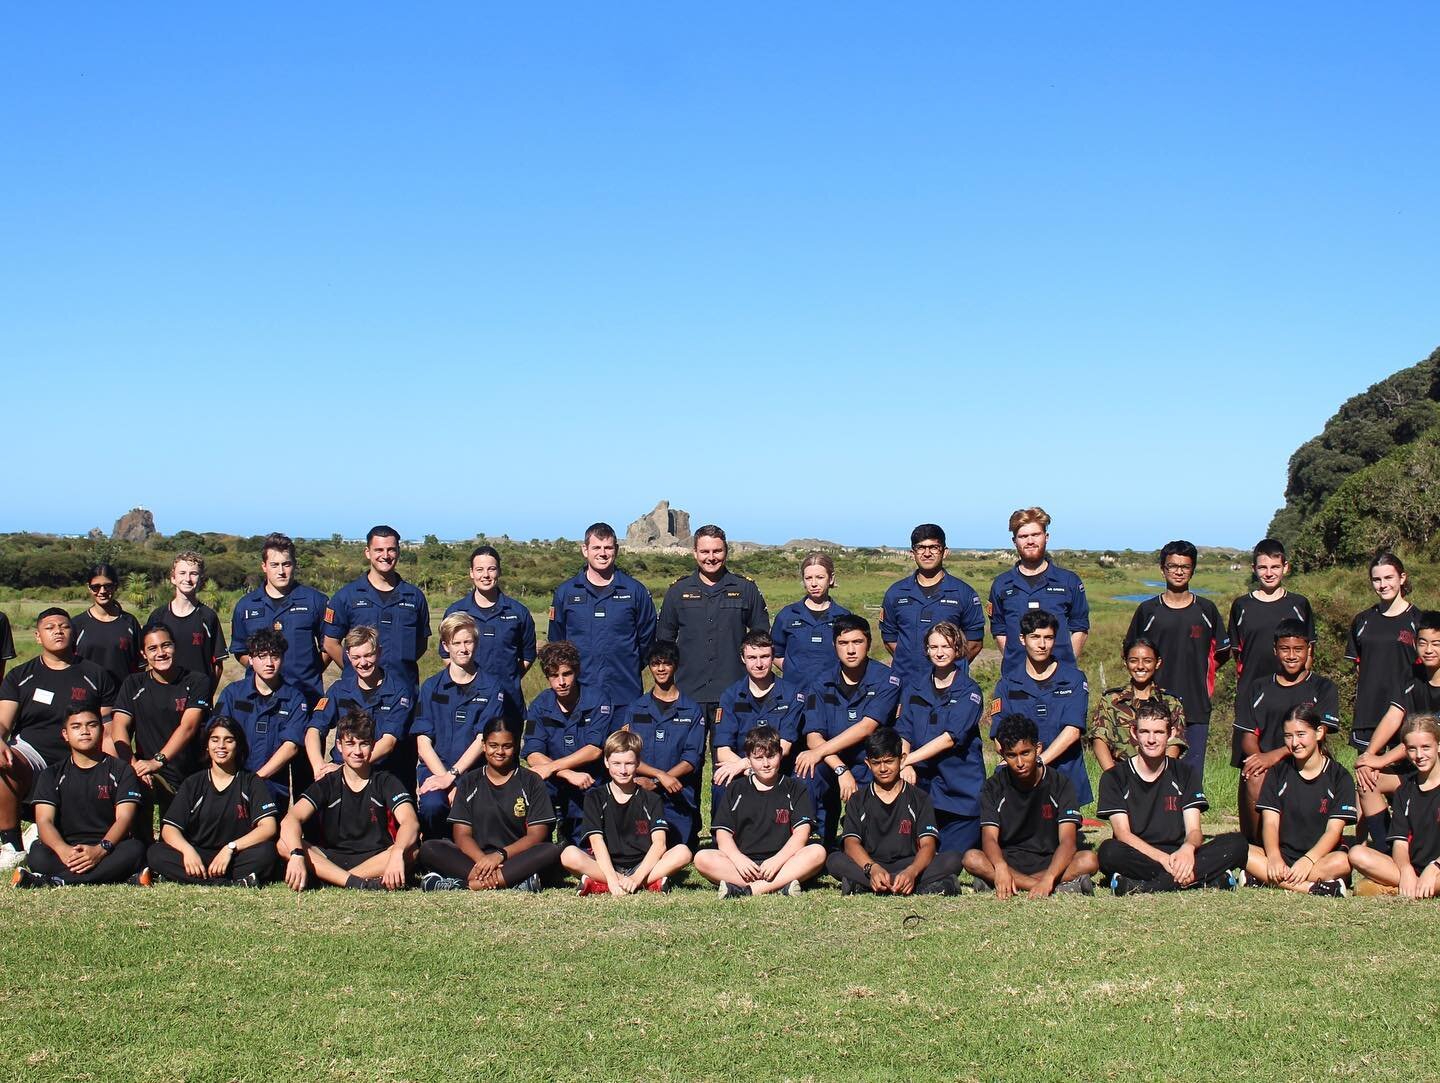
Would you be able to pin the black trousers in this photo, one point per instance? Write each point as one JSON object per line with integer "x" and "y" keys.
{"x": 120, "y": 864}
{"x": 444, "y": 857}
{"x": 841, "y": 866}
{"x": 1218, "y": 855}
{"x": 261, "y": 860}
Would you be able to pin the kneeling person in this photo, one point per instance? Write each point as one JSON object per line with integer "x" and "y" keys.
{"x": 357, "y": 846}
{"x": 763, "y": 828}
{"x": 1029, "y": 822}
{"x": 84, "y": 808}
{"x": 891, "y": 837}
{"x": 626, "y": 829}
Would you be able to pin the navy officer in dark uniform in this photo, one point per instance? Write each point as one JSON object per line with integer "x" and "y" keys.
{"x": 284, "y": 605}
{"x": 706, "y": 614}
{"x": 380, "y": 598}
{"x": 917, "y": 603}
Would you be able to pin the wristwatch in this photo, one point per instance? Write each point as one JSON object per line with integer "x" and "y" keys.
{"x": 842, "y": 770}
{"x": 107, "y": 846}
{"x": 868, "y": 866}
{"x": 297, "y": 852}
{"x": 160, "y": 758}
{"x": 233, "y": 846}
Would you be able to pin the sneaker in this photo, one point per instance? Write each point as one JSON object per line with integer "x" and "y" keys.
{"x": 140, "y": 879}
{"x": 793, "y": 888}
{"x": 1223, "y": 881}
{"x": 433, "y": 881}
{"x": 30, "y": 836}
{"x": 1369, "y": 889}
{"x": 248, "y": 880}
{"x": 530, "y": 885}
{"x": 1124, "y": 885}
{"x": 1081, "y": 885}
{"x": 728, "y": 890}
{"x": 946, "y": 885}
{"x": 659, "y": 885}
{"x": 979, "y": 886}
{"x": 366, "y": 883}
{"x": 26, "y": 878}
{"x": 10, "y": 858}
{"x": 1335, "y": 889}
{"x": 592, "y": 885}
{"x": 847, "y": 887}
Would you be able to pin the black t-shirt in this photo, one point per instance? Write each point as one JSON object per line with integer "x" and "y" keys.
{"x": 1252, "y": 632}
{"x": 1419, "y": 696}
{"x": 1029, "y": 820}
{"x": 1307, "y": 805}
{"x": 199, "y": 640}
{"x": 156, "y": 708}
{"x": 761, "y": 821}
{"x": 890, "y": 831}
{"x": 85, "y": 798}
{"x": 356, "y": 822}
{"x": 7, "y": 639}
{"x": 113, "y": 645}
{"x": 210, "y": 818}
{"x": 626, "y": 827}
{"x": 1415, "y": 817}
{"x": 1270, "y": 702}
{"x": 1384, "y": 648}
{"x": 1156, "y": 809}
{"x": 1188, "y": 639}
{"x": 499, "y": 815}
{"x": 45, "y": 696}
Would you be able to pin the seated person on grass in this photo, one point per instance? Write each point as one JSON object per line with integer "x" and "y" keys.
{"x": 1029, "y": 823}
{"x": 758, "y": 698}
{"x": 84, "y": 808}
{"x": 565, "y": 725}
{"x": 1261, "y": 717}
{"x": 858, "y": 697}
{"x": 671, "y": 726}
{"x": 1304, "y": 806}
{"x": 221, "y": 825}
{"x": 367, "y": 832}
{"x": 762, "y": 832}
{"x": 500, "y": 824}
{"x": 1112, "y": 726}
{"x": 1154, "y": 807}
{"x": 625, "y": 829}
{"x": 891, "y": 837}
{"x": 1412, "y": 867}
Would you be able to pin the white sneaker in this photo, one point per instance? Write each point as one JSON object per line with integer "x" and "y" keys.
{"x": 30, "y": 836}
{"x": 793, "y": 888}
{"x": 10, "y": 858}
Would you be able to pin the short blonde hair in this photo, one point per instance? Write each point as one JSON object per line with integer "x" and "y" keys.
{"x": 361, "y": 635}
{"x": 1026, "y": 516}
{"x": 458, "y": 622}
{"x": 624, "y": 741}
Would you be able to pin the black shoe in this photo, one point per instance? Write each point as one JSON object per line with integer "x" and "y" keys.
{"x": 946, "y": 885}
{"x": 734, "y": 891}
{"x": 23, "y": 877}
{"x": 847, "y": 886}
{"x": 1335, "y": 889}
{"x": 1125, "y": 885}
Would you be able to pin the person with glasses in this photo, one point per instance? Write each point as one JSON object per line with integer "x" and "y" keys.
{"x": 105, "y": 634}
{"x": 1190, "y": 635}
{"x": 915, "y": 604}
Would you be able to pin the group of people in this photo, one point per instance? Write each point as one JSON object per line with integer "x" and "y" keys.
{"x": 822, "y": 757}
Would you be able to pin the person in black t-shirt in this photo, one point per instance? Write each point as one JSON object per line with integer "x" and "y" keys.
{"x": 1154, "y": 806}
{"x": 1382, "y": 645}
{"x": 105, "y": 634}
{"x": 500, "y": 823}
{"x": 199, "y": 637}
{"x": 1193, "y": 641}
{"x": 762, "y": 828}
{"x": 84, "y": 806}
{"x": 156, "y": 723}
{"x": 1260, "y": 720}
{"x": 891, "y": 836}
{"x": 1304, "y": 806}
{"x": 626, "y": 830}
{"x": 367, "y": 832}
{"x": 35, "y": 698}
{"x": 221, "y": 826}
{"x": 1030, "y": 821}
{"x": 1412, "y": 867}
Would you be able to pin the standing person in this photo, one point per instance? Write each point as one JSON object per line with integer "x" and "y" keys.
{"x": 917, "y": 603}
{"x": 287, "y": 606}
{"x": 156, "y": 724}
{"x": 221, "y": 827}
{"x": 271, "y": 711}
{"x": 105, "y": 634}
{"x": 380, "y": 598}
{"x": 1190, "y": 636}
{"x": 1037, "y": 582}
{"x": 940, "y": 724}
{"x": 199, "y": 639}
{"x": 608, "y": 615}
{"x": 35, "y": 699}
{"x": 804, "y": 634}
{"x": 1382, "y": 646}
{"x": 1112, "y": 729}
{"x": 504, "y": 630}
{"x": 706, "y": 614}
{"x": 1052, "y": 694}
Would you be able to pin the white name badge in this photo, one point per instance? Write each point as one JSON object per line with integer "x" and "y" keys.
{"x": 1034, "y": 605}
{"x": 44, "y": 695}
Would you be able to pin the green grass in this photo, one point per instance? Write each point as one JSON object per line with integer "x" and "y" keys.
{"x": 174, "y": 983}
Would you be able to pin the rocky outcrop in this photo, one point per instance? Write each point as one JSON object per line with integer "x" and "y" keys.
{"x": 663, "y": 526}
{"x": 136, "y": 525}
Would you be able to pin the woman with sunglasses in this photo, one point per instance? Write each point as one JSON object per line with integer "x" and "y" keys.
{"x": 105, "y": 634}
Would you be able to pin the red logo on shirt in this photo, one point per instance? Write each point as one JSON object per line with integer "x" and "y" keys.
{"x": 242, "y": 812}
{"x": 1197, "y": 631}
{"x": 782, "y": 816}
{"x": 102, "y": 793}
{"x": 906, "y": 827}
{"x": 180, "y": 704}
{"x": 1324, "y": 805}
{"x": 1407, "y": 637}
{"x": 642, "y": 827}
{"x": 1047, "y": 812}
{"x": 197, "y": 639}
{"x": 77, "y": 695}
{"x": 1172, "y": 803}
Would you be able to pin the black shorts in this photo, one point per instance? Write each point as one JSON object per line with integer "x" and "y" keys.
{"x": 347, "y": 860}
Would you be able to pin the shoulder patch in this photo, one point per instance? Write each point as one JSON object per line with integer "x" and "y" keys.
{"x": 995, "y": 705}
{"x": 329, "y": 615}
{"x": 552, "y": 612}
{"x": 321, "y": 702}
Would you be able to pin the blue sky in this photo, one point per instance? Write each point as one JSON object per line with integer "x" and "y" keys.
{"x": 817, "y": 270}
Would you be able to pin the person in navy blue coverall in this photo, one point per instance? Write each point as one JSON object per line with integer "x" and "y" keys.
{"x": 565, "y": 728}
{"x": 1037, "y": 582}
{"x": 505, "y": 630}
{"x": 758, "y": 698}
{"x": 804, "y": 640}
{"x": 272, "y": 712}
{"x": 917, "y": 603}
{"x": 672, "y": 726}
{"x": 397, "y": 609}
{"x": 282, "y": 604}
